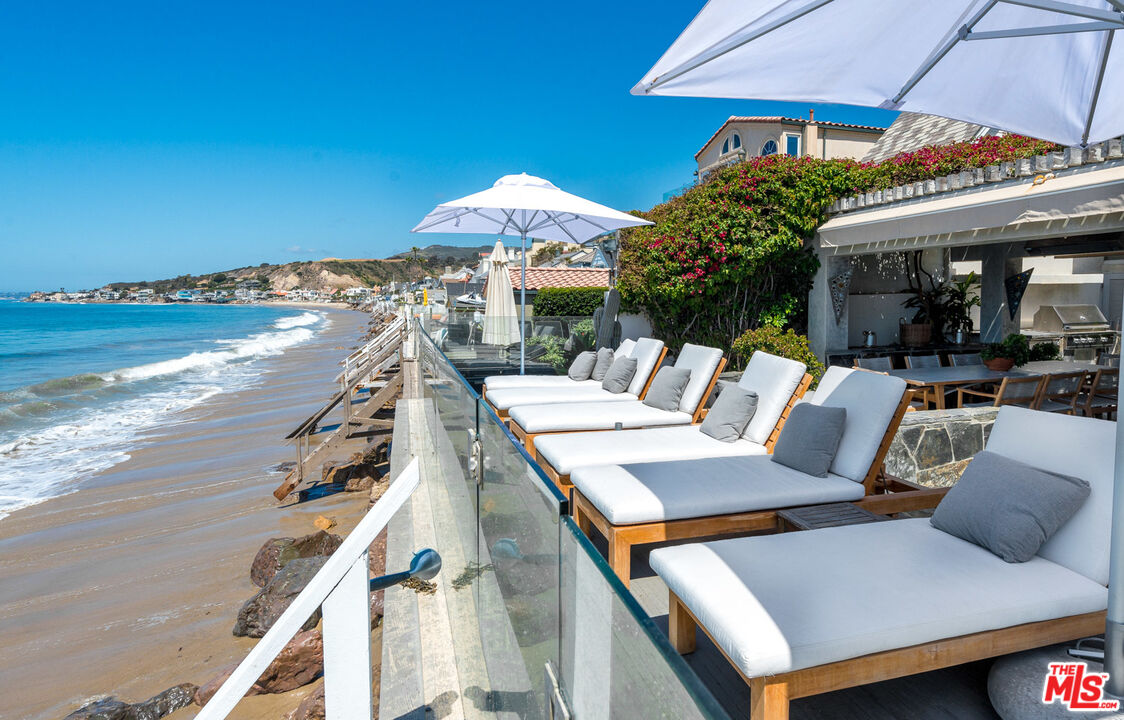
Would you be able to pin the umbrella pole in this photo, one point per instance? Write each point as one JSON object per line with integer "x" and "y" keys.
{"x": 523, "y": 305}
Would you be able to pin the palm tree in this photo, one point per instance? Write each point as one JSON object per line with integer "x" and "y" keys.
{"x": 415, "y": 250}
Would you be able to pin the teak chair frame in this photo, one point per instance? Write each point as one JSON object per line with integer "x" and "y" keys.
{"x": 621, "y": 538}
{"x": 770, "y": 696}
{"x": 562, "y": 480}
{"x": 502, "y": 414}
{"x": 1089, "y": 394}
{"x": 528, "y": 439}
{"x": 999, "y": 397}
{"x": 1064, "y": 398}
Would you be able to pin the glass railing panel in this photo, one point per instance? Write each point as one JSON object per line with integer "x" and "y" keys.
{"x": 614, "y": 661}
{"x": 518, "y": 600}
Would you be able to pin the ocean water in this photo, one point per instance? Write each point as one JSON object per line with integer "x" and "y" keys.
{"x": 82, "y": 385}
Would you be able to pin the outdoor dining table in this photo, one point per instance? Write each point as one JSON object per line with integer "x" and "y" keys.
{"x": 940, "y": 379}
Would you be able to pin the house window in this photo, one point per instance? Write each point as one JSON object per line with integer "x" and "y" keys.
{"x": 769, "y": 148}
{"x": 726, "y": 146}
{"x": 737, "y": 141}
{"x": 792, "y": 145}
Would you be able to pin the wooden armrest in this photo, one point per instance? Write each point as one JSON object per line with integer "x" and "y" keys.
{"x": 961, "y": 392}
{"x": 897, "y": 502}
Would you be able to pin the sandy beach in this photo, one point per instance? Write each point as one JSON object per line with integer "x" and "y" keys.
{"x": 131, "y": 585}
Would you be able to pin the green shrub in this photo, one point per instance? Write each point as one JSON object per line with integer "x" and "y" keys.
{"x": 1014, "y": 347}
{"x": 583, "y": 330}
{"x": 774, "y": 341}
{"x": 568, "y": 301}
{"x": 1045, "y": 351}
{"x": 554, "y": 351}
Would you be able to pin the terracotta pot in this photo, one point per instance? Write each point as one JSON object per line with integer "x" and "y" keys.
{"x": 999, "y": 364}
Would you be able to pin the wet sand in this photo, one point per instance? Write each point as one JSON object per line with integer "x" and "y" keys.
{"x": 132, "y": 584}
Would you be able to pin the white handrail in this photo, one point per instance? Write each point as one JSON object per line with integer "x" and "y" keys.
{"x": 359, "y": 358}
{"x": 341, "y": 587}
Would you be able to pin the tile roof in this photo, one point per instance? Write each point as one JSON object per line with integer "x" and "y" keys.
{"x": 780, "y": 118}
{"x": 913, "y": 131}
{"x": 544, "y": 277}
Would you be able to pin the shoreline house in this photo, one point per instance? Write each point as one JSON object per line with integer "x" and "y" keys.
{"x": 556, "y": 277}
{"x": 741, "y": 138}
{"x": 1060, "y": 216}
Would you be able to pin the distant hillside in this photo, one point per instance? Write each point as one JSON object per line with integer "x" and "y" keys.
{"x": 326, "y": 274}
{"x": 446, "y": 254}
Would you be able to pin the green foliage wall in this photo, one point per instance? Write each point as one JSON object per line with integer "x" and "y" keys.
{"x": 568, "y": 302}
{"x": 782, "y": 343}
{"x": 732, "y": 253}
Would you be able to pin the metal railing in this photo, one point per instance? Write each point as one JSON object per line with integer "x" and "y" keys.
{"x": 341, "y": 588}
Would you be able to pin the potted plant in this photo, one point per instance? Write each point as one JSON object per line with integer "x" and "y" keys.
{"x": 958, "y": 303}
{"x": 929, "y": 304}
{"x": 1002, "y": 356}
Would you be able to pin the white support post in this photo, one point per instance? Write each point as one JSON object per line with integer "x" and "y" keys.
{"x": 347, "y": 650}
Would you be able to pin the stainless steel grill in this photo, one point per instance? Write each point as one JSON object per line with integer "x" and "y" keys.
{"x": 1081, "y": 330}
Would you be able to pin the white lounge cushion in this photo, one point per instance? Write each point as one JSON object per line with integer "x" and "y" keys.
{"x": 1076, "y": 446}
{"x": 569, "y": 451}
{"x": 593, "y": 416}
{"x": 507, "y": 399}
{"x": 508, "y": 382}
{"x": 871, "y": 399}
{"x": 647, "y": 353}
{"x": 702, "y": 362}
{"x": 774, "y": 379}
{"x": 658, "y": 491}
{"x": 787, "y": 602}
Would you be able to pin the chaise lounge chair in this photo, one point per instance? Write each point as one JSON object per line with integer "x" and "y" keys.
{"x": 513, "y": 382}
{"x": 649, "y": 353}
{"x": 805, "y": 613}
{"x": 527, "y": 422}
{"x": 778, "y": 382}
{"x": 659, "y": 501}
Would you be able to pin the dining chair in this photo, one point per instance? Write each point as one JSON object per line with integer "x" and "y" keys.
{"x": 961, "y": 359}
{"x": 923, "y": 397}
{"x": 877, "y": 364}
{"x": 1021, "y": 390}
{"x": 1098, "y": 396}
{"x": 1059, "y": 392}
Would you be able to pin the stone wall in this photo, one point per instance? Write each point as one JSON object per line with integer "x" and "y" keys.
{"x": 933, "y": 447}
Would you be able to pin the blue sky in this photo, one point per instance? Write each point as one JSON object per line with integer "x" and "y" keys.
{"x": 141, "y": 140}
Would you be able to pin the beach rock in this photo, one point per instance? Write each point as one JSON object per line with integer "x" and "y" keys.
{"x": 312, "y": 707}
{"x": 153, "y": 708}
{"x": 378, "y": 489}
{"x": 298, "y": 664}
{"x": 107, "y": 709}
{"x": 376, "y": 561}
{"x": 276, "y": 553}
{"x": 163, "y": 704}
{"x": 301, "y": 662}
{"x": 324, "y": 523}
{"x": 359, "y": 483}
{"x": 262, "y": 610}
{"x": 268, "y": 560}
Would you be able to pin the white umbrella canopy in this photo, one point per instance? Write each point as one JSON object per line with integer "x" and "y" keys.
{"x": 500, "y": 324}
{"x": 1043, "y": 68}
{"x": 526, "y": 205}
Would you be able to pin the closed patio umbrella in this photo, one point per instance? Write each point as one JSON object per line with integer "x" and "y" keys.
{"x": 1044, "y": 68}
{"x": 526, "y": 206}
{"x": 500, "y": 324}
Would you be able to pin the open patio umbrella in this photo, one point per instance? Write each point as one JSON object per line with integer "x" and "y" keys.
{"x": 500, "y": 325}
{"x": 1043, "y": 68}
{"x": 526, "y": 206}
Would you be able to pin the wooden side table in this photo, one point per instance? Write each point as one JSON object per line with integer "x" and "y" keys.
{"x": 823, "y": 516}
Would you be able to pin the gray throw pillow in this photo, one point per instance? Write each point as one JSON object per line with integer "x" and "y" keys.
{"x": 1008, "y": 507}
{"x": 582, "y": 366}
{"x": 810, "y": 437}
{"x": 620, "y": 374}
{"x": 667, "y": 388}
{"x": 604, "y": 362}
{"x": 732, "y": 411}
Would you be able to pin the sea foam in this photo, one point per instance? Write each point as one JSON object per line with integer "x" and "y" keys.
{"x": 102, "y": 419}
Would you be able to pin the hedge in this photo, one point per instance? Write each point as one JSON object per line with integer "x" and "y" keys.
{"x": 568, "y": 301}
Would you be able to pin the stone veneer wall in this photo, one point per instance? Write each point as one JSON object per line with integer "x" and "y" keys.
{"x": 933, "y": 447}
